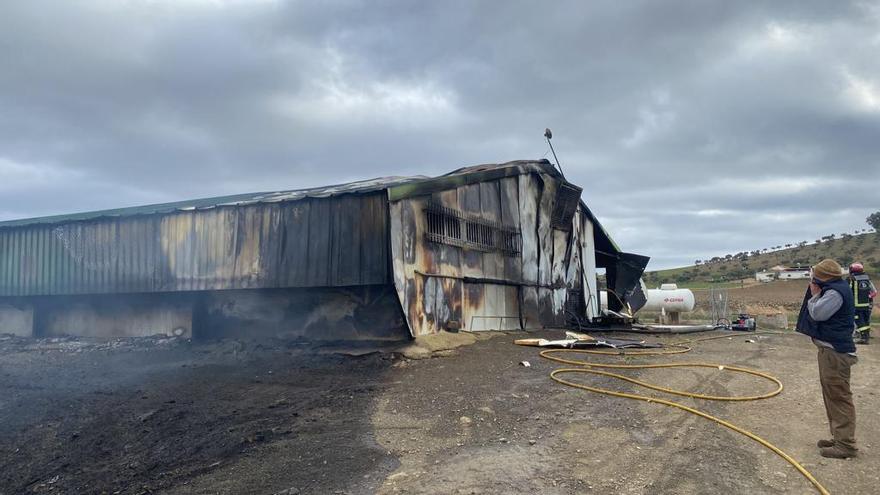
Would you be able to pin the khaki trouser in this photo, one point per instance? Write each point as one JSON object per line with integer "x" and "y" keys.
{"x": 834, "y": 368}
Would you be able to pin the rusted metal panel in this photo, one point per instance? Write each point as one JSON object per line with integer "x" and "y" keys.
{"x": 491, "y": 307}
{"x": 294, "y": 261}
{"x": 448, "y": 258}
{"x": 510, "y": 215}
{"x": 469, "y": 203}
{"x": 441, "y": 303}
{"x": 545, "y": 232}
{"x": 488, "y": 286}
{"x": 345, "y": 262}
{"x": 374, "y": 239}
{"x": 319, "y": 244}
{"x": 498, "y": 292}
{"x": 338, "y": 241}
{"x": 403, "y": 236}
{"x": 490, "y": 209}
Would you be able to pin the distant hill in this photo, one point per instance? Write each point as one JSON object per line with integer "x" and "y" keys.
{"x": 864, "y": 248}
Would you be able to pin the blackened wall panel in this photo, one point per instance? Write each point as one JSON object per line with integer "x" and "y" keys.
{"x": 336, "y": 241}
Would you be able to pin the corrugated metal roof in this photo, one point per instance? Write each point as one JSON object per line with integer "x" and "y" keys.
{"x": 400, "y": 186}
{"x": 474, "y": 172}
{"x": 358, "y": 187}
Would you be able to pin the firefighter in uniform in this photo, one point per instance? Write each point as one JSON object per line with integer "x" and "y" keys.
{"x": 863, "y": 293}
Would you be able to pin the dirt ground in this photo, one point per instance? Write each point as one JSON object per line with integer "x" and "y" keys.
{"x": 787, "y": 294}
{"x": 782, "y": 295}
{"x": 168, "y": 416}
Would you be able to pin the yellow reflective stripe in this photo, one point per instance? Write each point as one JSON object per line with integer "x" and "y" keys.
{"x": 855, "y": 287}
{"x": 861, "y": 329}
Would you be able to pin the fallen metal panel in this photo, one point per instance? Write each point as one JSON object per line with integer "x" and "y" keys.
{"x": 565, "y": 204}
{"x": 624, "y": 280}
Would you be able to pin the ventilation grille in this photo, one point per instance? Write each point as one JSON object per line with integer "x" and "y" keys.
{"x": 567, "y": 197}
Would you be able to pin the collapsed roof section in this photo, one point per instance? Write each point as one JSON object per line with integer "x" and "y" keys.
{"x": 607, "y": 251}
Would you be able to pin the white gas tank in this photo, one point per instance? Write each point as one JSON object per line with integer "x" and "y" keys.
{"x": 669, "y": 298}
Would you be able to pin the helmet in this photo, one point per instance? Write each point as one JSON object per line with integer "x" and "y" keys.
{"x": 856, "y": 268}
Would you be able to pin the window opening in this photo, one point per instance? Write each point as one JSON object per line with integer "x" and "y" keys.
{"x": 452, "y": 227}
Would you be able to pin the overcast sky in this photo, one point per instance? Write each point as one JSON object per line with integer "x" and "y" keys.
{"x": 696, "y": 128}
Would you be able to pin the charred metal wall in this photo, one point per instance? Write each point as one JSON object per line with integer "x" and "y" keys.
{"x": 313, "y": 242}
{"x": 332, "y": 313}
{"x": 330, "y": 262}
{"x": 315, "y": 313}
{"x": 443, "y": 286}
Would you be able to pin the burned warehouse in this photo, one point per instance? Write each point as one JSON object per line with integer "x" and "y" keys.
{"x": 508, "y": 246}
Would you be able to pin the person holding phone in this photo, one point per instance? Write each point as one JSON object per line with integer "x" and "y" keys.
{"x": 828, "y": 316}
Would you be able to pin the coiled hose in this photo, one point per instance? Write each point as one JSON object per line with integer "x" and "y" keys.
{"x": 676, "y": 348}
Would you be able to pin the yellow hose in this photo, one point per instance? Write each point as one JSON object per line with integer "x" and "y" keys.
{"x": 677, "y": 348}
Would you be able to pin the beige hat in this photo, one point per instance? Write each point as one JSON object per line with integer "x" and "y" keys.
{"x": 827, "y": 269}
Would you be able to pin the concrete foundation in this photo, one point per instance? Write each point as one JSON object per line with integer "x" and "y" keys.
{"x": 118, "y": 316}
{"x": 17, "y": 319}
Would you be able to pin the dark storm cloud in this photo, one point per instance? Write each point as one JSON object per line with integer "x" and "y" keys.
{"x": 696, "y": 128}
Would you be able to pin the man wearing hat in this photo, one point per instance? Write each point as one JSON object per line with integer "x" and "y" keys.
{"x": 827, "y": 316}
